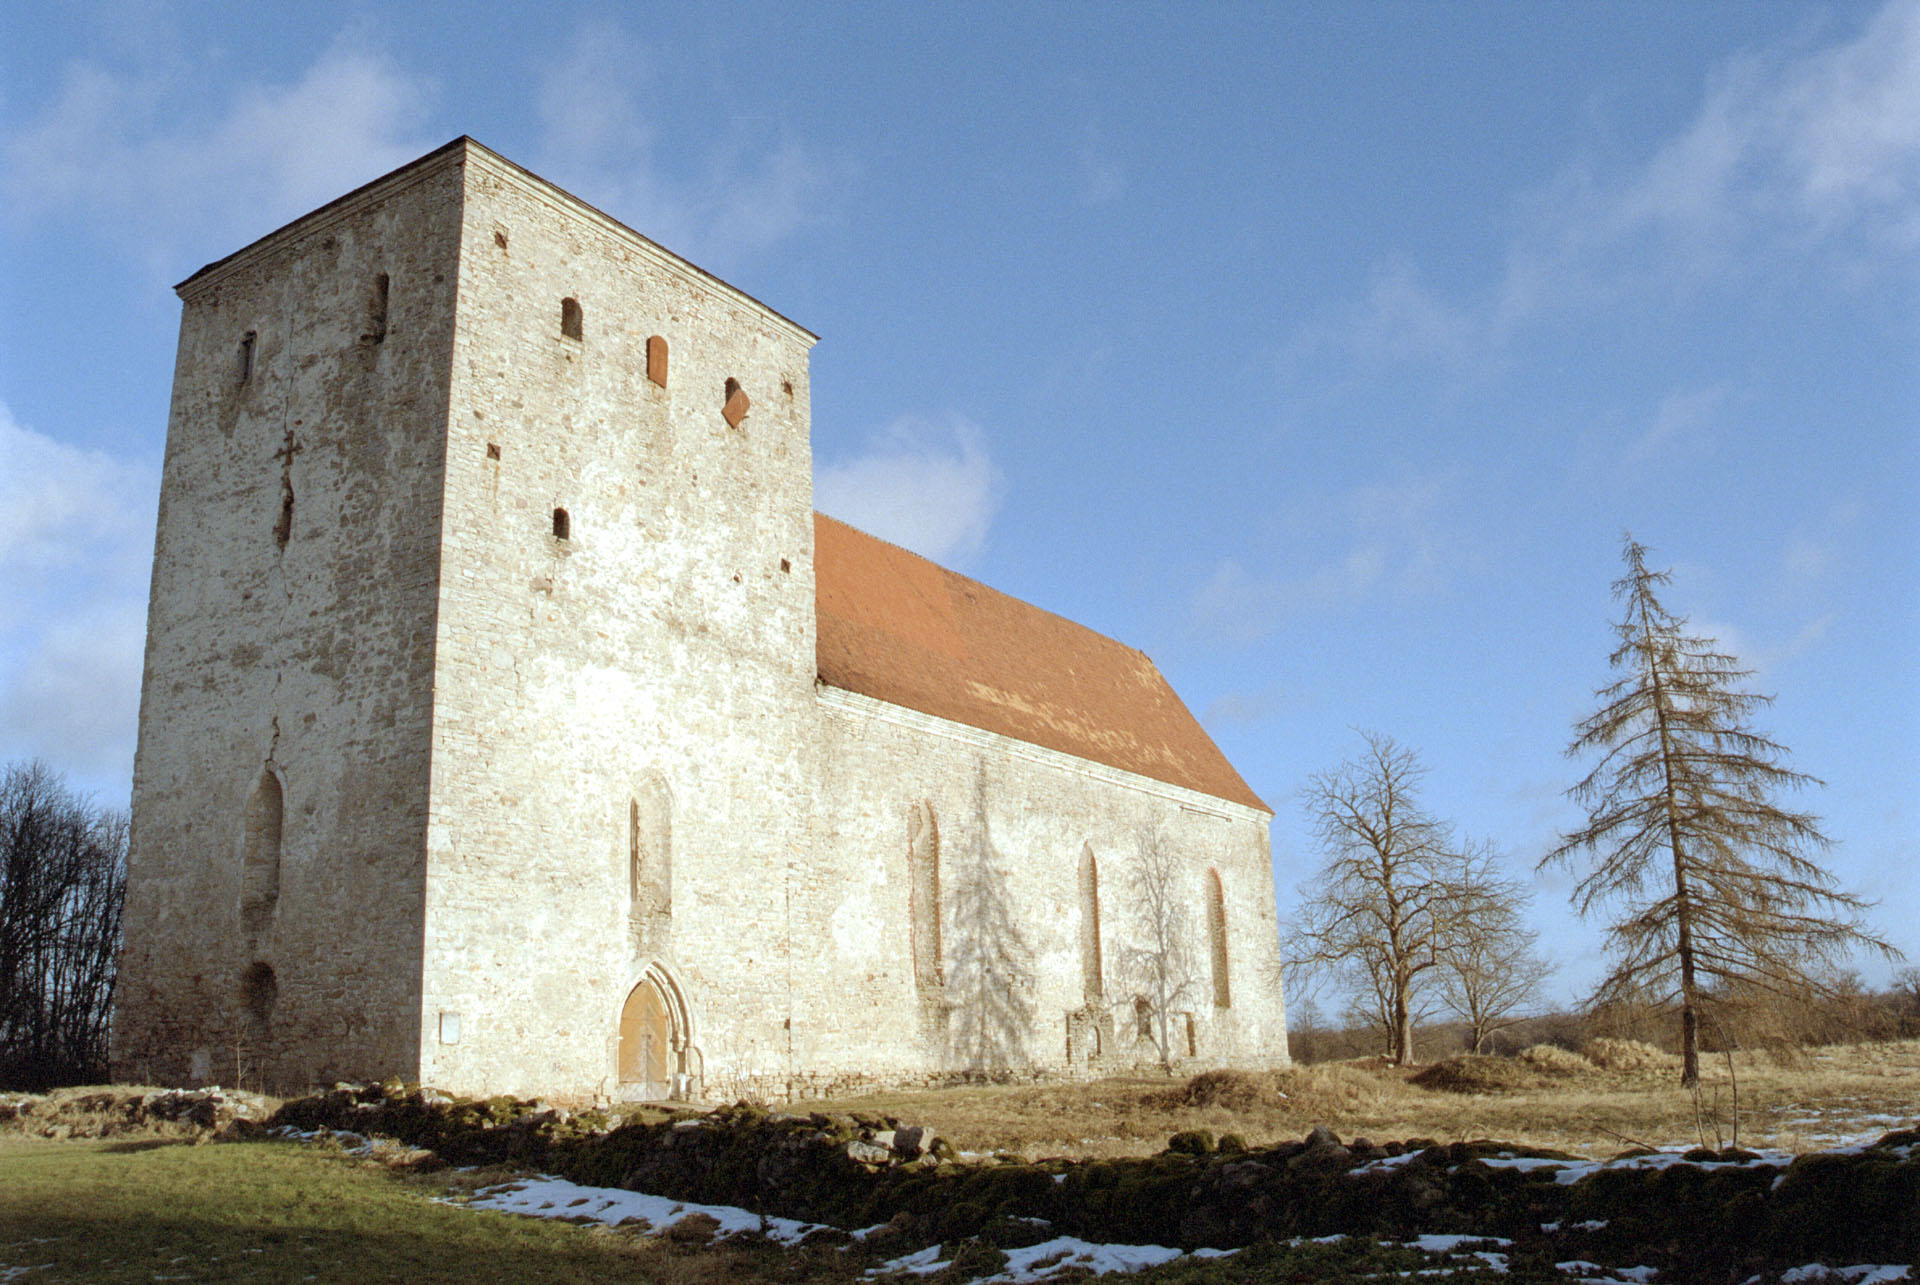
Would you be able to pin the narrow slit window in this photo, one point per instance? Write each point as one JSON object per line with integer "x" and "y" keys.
{"x": 562, "y": 525}
{"x": 377, "y": 321}
{"x": 657, "y": 360}
{"x": 247, "y": 342}
{"x": 572, "y": 325}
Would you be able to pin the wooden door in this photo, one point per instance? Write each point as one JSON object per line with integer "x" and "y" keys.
{"x": 646, "y": 1040}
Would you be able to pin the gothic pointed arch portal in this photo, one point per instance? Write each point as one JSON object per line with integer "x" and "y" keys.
{"x": 657, "y": 1060}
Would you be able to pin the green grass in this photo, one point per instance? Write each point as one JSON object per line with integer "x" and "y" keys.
{"x": 107, "y": 1211}
{"x": 104, "y": 1210}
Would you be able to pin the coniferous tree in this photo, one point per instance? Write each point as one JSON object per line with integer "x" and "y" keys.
{"x": 1715, "y": 880}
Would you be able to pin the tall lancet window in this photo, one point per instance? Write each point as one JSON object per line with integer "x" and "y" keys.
{"x": 923, "y": 874}
{"x": 1092, "y": 970}
{"x": 260, "y": 854}
{"x": 1217, "y": 936}
{"x": 650, "y": 851}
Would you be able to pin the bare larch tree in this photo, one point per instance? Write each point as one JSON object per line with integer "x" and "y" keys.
{"x": 1390, "y": 902}
{"x": 1714, "y": 879}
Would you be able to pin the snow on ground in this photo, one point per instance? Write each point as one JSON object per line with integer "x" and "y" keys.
{"x": 1043, "y": 1261}
{"x": 545, "y": 1197}
{"x": 1858, "y": 1274}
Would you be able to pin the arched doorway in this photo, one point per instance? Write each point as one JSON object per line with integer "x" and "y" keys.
{"x": 657, "y": 1061}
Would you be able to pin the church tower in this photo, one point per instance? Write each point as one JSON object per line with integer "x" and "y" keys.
{"x": 478, "y": 508}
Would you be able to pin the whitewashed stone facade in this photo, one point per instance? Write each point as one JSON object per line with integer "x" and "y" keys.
{"x": 483, "y": 742}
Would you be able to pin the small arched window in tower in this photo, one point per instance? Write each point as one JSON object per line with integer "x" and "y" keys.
{"x": 923, "y": 894}
{"x": 1142, "y": 1018}
{"x": 1217, "y": 936}
{"x": 562, "y": 525}
{"x": 571, "y": 323}
{"x": 260, "y": 854}
{"x": 377, "y": 309}
{"x": 734, "y": 409}
{"x": 657, "y": 360}
{"x": 1092, "y": 974}
{"x": 245, "y": 360}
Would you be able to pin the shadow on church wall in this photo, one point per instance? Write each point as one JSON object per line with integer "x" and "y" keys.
{"x": 990, "y": 973}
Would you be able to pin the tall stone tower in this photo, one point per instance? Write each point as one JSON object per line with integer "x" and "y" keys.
{"x": 477, "y": 508}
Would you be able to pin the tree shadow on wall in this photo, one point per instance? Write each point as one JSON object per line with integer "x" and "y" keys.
{"x": 989, "y": 979}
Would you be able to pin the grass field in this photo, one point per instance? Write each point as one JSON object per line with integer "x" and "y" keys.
{"x": 1567, "y": 1103}
{"x": 155, "y": 1208}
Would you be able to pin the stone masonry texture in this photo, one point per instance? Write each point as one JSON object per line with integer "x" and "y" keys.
{"x": 427, "y": 789}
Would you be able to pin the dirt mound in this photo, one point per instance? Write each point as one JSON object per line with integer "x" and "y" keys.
{"x": 1554, "y": 1060}
{"x": 1628, "y": 1055}
{"x": 1231, "y": 1090}
{"x": 132, "y": 1112}
{"x": 1540, "y": 1066}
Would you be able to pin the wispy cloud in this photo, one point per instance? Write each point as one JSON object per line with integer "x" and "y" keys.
{"x": 131, "y": 154}
{"x": 1103, "y": 179}
{"x": 1683, "y": 423}
{"x": 1389, "y": 539}
{"x": 76, "y": 545}
{"x": 1791, "y": 153}
{"x": 752, "y": 187}
{"x": 927, "y": 487}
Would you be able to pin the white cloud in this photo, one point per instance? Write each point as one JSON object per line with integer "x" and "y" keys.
{"x": 1790, "y": 153}
{"x": 76, "y": 546}
{"x": 924, "y": 486}
{"x": 1391, "y": 538}
{"x": 129, "y": 153}
{"x": 752, "y": 188}
{"x": 1684, "y": 423}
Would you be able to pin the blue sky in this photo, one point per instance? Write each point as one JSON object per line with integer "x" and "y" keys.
{"x": 1323, "y": 352}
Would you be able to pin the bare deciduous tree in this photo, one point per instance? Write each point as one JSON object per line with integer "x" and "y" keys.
{"x": 1715, "y": 879}
{"x": 1389, "y": 904}
{"x": 1160, "y": 956}
{"x": 62, "y": 882}
{"x": 1489, "y": 972}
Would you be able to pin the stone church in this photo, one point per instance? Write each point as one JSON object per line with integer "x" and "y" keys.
{"x": 512, "y": 723}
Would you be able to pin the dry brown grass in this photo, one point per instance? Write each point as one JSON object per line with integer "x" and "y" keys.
{"x": 1589, "y": 1104}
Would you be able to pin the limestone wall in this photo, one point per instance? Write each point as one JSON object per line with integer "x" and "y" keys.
{"x": 1020, "y": 830}
{"x": 662, "y": 651}
{"x": 289, "y": 652}
{"x": 530, "y": 678}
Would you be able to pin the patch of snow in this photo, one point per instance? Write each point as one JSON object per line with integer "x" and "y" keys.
{"x": 548, "y": 1197}
{"x": 1857, "y": 1274}
{"x": 1387, "y": 1162}
{"x": 922, "y": 1262}
{"x": 1436, "y": 1243}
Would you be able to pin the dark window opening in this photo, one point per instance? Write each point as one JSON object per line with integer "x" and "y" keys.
{"x": 657, "y": 360}
{"x": 500, "y": 238}
{"x": 493, "y": 450}
{"x": 259, "y": 991}
{"x": 562, "y": 525}
{"x": 571, "y": 322}
{"x": 1142, "y": 1017}
{"x": 246, "y": 355}
{"x": 377, "y": 331}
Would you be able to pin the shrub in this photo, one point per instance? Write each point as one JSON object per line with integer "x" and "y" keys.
{"x": 1627, "y": 1055}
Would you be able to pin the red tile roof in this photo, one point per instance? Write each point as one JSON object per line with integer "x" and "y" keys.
{"x": 901, "y": 629}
